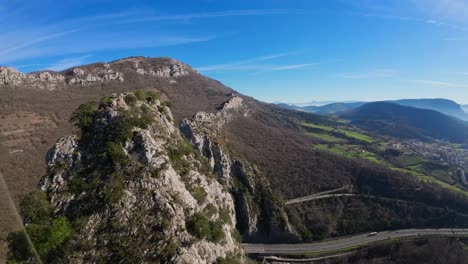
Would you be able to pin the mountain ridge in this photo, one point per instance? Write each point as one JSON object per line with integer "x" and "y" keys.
{"x": 406, "y": 121}
{"x": 445, "y": 106}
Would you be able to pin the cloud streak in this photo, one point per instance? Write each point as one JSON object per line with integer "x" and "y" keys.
{"x": 448, "y": 13}
{"x": 371, "y": 74}
{"x": 254, "y": 65}
{"x": 91, "y": 33}
{"x": 440, "y": 83}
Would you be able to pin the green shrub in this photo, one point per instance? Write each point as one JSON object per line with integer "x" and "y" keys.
{"x": 83, "y": 119}
{"x": 44, "y": 237}
{"x": 224, "y": 216}
{"x": 130, "y": 99}
{"x": 149, "y": 96}
{"x": 80, "y": 183}
{"x": 106, "y": 100}
{"x": 145, "y": 109}
{"x": 170, "y": 250}
{"x": 167, "y": 103}
{"x": 228, "y": 260}
{"x": 36, "y": 207}
{"x": 140, "y": 94}
{"x": 152, "y": 96}
{"x": 237, "y": 236}
{"x": 20, "y": 248}
{"x": 210, "y": 210}
{"x": 121, "y": 130}
{"x": 165, "y": 224}
{"x": 198, "y": 193}
{"x": 217, "y": 232}
{"x": 114, "y": 189}
{"x": 116, "y": 153}
{"x": 201, "y": 227}
{"x": 186, "y": 147}
{"x": 60, "y": 231}
{"x": 176, "y": 155}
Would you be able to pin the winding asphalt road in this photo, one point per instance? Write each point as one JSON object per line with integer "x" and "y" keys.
{"x": 317, "y": 196}
{"x": 347, "y": 242}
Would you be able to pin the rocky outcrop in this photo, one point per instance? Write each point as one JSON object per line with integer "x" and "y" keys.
{"x": 41, "y": 80}
{"x": 174, "y": 70}
{"x": 245, "y": 180}
{"x": 10, "y": 76}
{"x": 166, "y": 196}
{"x": 98, "y": 73}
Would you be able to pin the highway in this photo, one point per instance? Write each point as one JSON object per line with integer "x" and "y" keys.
{"x": 347, "y": 242}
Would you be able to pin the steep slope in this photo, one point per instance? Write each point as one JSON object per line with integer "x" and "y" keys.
{"x": 407, "y": 122}
{"x": 447, "y": 107}
{"x": 127, "y": 187}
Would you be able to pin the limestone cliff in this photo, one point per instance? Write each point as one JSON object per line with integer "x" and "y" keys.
{"x": 260, "y": 214}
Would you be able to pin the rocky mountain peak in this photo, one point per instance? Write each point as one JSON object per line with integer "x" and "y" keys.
{"x": 86, "y": 75}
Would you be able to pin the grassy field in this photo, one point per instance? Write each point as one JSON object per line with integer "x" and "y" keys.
{"x": 321, "y": 127}
{"x": 344, "y": 133}
{"x": 352, "y": 144}
{"x": 356, "y": 135}
{"x": 326, "y": 137}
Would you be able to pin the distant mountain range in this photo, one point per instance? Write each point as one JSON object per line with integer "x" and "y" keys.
{"x": 407, "y": 122}
{"x": 447, "y": 107}
{"x": 465, "y": 108}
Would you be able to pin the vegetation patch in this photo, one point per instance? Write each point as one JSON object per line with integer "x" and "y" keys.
{"x": 201, "y": 227}
{"x": 197, "y": 192}
{"x": 42, "y": 236}
{"x": 316, "y": 126}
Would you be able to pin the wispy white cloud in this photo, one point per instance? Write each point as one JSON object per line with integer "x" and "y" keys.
{"x": 370, "y": 74}
{"x": 440, "y": 83}
{"x": 68, "y": 63}
{"x": 449, "y": 13}
{"x": 59, "y": 65}
{"x": 91, "y": 33}
{"x": 455, "y": 38}
{"x": 241, "y": 65}
{"x": 206, "y": 15}
{"x": 254, "y": 65}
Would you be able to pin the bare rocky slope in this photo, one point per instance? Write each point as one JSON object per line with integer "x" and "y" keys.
{"x": 258, "y": 152}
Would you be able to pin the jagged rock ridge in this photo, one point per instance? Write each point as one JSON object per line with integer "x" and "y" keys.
{"x": 247, "y": 184}
{"x": 96, "y": 73}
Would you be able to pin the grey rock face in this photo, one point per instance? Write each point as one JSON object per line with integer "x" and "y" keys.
{"x": 200, "y": 131}
{"x": 10, "y": 76}
{"x": 40, "y": 80}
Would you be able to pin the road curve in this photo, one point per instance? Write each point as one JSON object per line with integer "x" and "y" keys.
{"x": 308, "y": 197}
{"x": 347, "y": 242}
{"x": 317, "y": 197}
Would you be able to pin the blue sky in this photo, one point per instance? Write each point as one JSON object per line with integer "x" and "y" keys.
{"x": 290, "y": 51}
